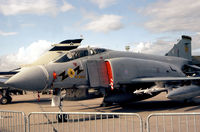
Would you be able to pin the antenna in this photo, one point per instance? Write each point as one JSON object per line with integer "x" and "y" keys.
{"x": 81, "y": 36}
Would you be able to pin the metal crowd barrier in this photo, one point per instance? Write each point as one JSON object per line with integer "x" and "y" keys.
{"x": 12, "y": 121}
{"x": 84, "y": 122}
{"x": 173, "y": 122}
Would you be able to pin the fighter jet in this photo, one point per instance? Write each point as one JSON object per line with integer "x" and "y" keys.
{"x": 121, "y": 76}
{"x": 56, "y": 51}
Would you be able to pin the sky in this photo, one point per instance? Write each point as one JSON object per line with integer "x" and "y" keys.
{"x": 29, "y": 27}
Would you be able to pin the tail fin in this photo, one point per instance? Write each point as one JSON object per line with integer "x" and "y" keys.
{"x": 182, "y": 48}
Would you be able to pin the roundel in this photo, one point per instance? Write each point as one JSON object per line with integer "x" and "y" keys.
{"x": 71, "y": 73}
{"x": 186, "y": 48}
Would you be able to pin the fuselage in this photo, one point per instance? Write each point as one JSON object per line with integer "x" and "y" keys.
{"x": 71, "y": 70}
{"x": 82, "y": 79}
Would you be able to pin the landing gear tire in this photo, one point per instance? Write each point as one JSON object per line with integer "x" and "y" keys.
{"x": 4, "y": 100}
{"x": 62, "y": 117}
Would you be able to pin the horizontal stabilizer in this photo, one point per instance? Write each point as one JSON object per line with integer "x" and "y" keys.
{"x": 71, "y": 41}
{"x": 163, "y": 79}
{"x": 67, "y": 45}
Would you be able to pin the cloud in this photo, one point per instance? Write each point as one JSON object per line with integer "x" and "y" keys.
{"x": 24, "y": 55}
{"x": 27, "y": 25}
{"x": 160, "y": 47}
{"x": 103, "y": 3}
{"x": 196, "y": 44}
{"x": 105, "y": 23}
{"x": 2, "y": 33}
{"x": 66, "y": 7}
{"x": 173, "y": 15}
{"x": 39, "y": 7}
{"x": 88, "y": 15}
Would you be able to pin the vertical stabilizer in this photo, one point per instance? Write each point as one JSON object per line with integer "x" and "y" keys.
{"x": 182, "y": 48}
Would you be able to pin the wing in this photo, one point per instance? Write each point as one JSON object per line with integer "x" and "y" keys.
{"x": 2, "y": 81}
{"x": 163, "y": 79}
{"x": 160, "y": 79}
{"x": 4, "y": 76}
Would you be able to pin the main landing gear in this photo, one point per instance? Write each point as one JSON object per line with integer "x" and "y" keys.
{"x": 5, "y": 97}
{"x": 105, "y": 102}
{"x": 57, "y": 102}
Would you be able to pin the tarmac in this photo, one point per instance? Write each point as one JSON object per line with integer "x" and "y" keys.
{"x": 159, "y": 104}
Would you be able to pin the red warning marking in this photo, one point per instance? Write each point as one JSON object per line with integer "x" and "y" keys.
{"x": 54, "y": 75}
{"x": 110, "y": 75}
{"x": 75, "y": 64}
{"x": 111, "y": 84}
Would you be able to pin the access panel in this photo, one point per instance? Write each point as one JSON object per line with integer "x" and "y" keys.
{"x": 97, "y": 73}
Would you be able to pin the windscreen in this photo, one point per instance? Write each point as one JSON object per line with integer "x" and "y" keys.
{"x": 79, "y": 53}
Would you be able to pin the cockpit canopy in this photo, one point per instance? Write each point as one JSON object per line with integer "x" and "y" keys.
{"x": 79, "y": 53}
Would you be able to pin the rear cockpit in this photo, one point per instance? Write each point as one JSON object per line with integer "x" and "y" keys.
{"x": 79, "y": 53}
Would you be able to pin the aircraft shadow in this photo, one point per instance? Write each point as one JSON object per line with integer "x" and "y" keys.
{"x": 83, "y": 98}
{"x": 148, "y": 106}
{"x": 43, "y": 100}
{"x": 194, "y": 108}
{"x": 141, "y": 106}
{"x": 155, "y": 106}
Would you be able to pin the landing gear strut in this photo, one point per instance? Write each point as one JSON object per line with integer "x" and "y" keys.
{"x": 5, "y": 97}
{"x": 106, "y": 103}
{"x": 57, "y": 101}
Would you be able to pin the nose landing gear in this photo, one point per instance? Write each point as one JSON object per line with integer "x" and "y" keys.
{"x": 57, "y": 102}
{"x": 5, "y": 97}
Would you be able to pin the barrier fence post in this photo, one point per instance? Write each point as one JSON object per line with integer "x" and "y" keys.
{"x": 12, "y": 121}
{"x": 173, "y": 122}
{"x": 99, "y": 122}
{"x": 84, "y": 122}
